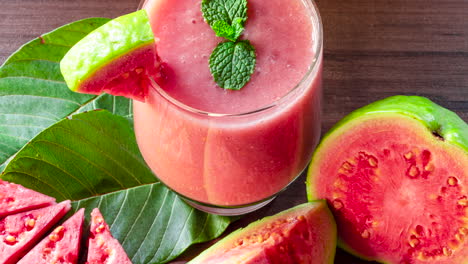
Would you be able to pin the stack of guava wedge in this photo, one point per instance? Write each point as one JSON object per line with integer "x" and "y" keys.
{"x": 25, "y": 216}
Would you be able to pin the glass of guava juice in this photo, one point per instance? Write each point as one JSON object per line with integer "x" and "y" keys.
{"x": 223, "y": 151}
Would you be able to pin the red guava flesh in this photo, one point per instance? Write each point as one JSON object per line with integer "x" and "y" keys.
{"x": 102, "y": 247}
{"x": 15, "y": 198}
{"x": 125, "y": 76}
{"x": 305, "y": 234}
{"x": 60, "y": 246}
{"x": 19, "y": 232}
{"x": 398, "y": 192}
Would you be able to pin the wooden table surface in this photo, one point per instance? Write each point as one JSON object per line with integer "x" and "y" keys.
{"x": 373, "y": 49}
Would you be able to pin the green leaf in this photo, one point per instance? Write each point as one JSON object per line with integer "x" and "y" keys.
{"x": 226, "y": 17}
{"x": 89, "y": 154}
{"x": 232, "y": 64}
{"x": 92, "y": 158}
{"x": 232, "y": 33}
{"x": 152, "y": 223}
{"x": 33, "y": 94}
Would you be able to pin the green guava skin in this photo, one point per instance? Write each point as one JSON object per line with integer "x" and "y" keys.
{"x": 440, "y": 122}
{"x": 105, "y": 45}
{"x": 319, "y": 218}
{"x": 436, "y": 118}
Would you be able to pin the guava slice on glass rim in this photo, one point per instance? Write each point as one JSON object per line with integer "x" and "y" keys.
{"x": 102, "y": 247}
{"x": 116, "y": 58}
{"x": 62, "y": 245}
{"x": 15, "y": 198}
{"x": 395, "y": 175}
{"x": 304, "y": 234}
{"x": 19, "y": 232}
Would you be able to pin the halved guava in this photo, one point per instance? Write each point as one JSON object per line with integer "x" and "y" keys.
{"x": 62, "y": 245}
{"x": 116, "y": 58}
{"x": 304, "y": 234}
{"x": 102, "y": 247}
{"x": 19, "y": 232}
{"x": 15, "y": 198}
{"x": 395, "y": 176}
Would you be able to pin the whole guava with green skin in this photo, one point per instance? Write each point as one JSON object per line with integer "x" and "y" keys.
{"x": 116, "y": 58}
{"x": 62, "y": 245}
{"x": 395, "y": 176}
{"x": 19, "y": 232}
{"x": 304, "y": 234}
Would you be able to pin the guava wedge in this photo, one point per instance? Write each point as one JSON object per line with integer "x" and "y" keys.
{"x": 62, "y": 245}
{"x": 19, "y": 232}
{"x": 395, "y": 176}
{"x": 305, "y": 234}
{"x": 102, "y": 247}
{"x": 116, "y": 58}
{"x": 15, "y": 198}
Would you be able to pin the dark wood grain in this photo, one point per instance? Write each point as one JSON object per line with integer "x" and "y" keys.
{"x": 373, "y": 49}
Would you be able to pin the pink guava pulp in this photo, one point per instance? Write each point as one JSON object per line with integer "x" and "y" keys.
{"x": 234, "y": 159}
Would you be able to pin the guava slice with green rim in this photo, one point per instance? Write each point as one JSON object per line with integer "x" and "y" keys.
{"x": 395, "y": 175}
{"x": 305, "y": 234}
{"x": 62, "y": 245}
{"x": 15, "y": 198}
{"x": 19, "y": 232}
{"x": 102, "y": 247}
{"x": 116, "y": 58}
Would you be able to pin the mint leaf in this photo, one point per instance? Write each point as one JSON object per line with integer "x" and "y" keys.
{"x": 232, "y": 33}
{"x": 232, "y": 64}
{"x": 226, "y": 17}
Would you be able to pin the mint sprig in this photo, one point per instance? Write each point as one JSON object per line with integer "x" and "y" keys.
{"x": 232, "y": 63}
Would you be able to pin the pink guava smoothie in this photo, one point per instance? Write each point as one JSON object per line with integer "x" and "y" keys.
{"x": 218, "y": 154}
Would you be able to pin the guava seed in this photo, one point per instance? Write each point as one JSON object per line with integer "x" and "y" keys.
{"x": 54, "y": 237}
{"x": 459, "y": 237}
{"x": 339, "y": 183}
{"x": 414, "y": 242}
{"x": 447, "y": 252}
{"x": 337, "y": 204}
{"x": 365, "y": 234}
{"x": 429, "y": 167}
{"x": 10, "y": 240}
{"x": 408, "y": 155}
{"x": 463, "y": 201}
{"x": 452, "y": 181}
{"x": 30, "y": 223}
{"x": 463, "y": 230}
{"x": 412, "y": 172}
{"x": 100, "y": 228}
{"x": 346, "y": 168}
{"x": 373, "y": 162}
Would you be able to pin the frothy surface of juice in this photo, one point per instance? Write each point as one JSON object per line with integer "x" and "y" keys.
{"x": 280, "y": 31}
